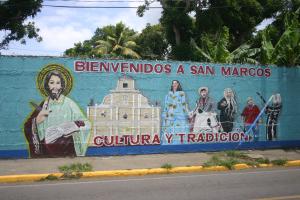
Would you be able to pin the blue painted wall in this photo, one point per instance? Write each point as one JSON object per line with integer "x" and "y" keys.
{"x": 18, "y": 87}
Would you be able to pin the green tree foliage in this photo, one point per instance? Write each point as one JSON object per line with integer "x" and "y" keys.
{"x": 177, "y": 24}
{"x": 216, "y": 50}
{"x": 289, "y": 7}
{"x": 240, "y": 16}
{"x": 87, "y": 48}
{"x": 13, "y": 13}
{"x": 152, "y": 42}
{"x": 179, "y": 27}
{"x": 286, "y": 51}
{"x": 221, "y": 31}
{"x": 84, "y": 49}
{"x": 120, "y": 41}
{"x": 109, "y": 42}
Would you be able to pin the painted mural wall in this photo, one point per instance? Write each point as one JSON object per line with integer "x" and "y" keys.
{"x": 55, "y": 107}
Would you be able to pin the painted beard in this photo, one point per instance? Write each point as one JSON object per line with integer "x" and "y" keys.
{"x": 55, "y": 96}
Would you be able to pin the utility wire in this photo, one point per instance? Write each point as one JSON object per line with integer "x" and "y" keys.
{"x": 150, "y": 7}
{"x": 61, "y": 6}
{"x": 121, "y": 1}
{"x": 96, "y": 1}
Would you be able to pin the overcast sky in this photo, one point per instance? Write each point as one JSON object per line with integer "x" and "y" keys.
{"x": 60, "y": 28}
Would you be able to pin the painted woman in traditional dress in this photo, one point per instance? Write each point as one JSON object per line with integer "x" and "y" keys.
{"x": 175, "y": 124}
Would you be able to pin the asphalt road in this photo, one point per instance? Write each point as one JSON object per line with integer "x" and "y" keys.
{"x": 270, "y": 184}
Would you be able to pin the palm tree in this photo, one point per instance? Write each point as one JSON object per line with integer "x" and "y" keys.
{"x": 120, "y": 42}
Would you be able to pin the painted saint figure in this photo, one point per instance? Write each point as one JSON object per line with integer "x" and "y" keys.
{"x": 228, "y": 109}
{"x": 249, "y": 115}
{"x": 57, "y": 127}
{"x": 175, "y": 114}
{"x": 273, "y": 112}
{"x": 203, "y": 118}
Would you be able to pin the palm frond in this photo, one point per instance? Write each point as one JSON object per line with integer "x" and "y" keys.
{"x": 112, "y": 39}
{"x": 130, "y": 52}
{"x": 130, "y": 44}
{"x": 200, "y": 51}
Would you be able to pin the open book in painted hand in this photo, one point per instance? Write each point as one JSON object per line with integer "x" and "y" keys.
{"x": 62, "y": 130}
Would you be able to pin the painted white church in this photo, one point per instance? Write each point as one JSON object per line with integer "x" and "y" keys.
{"x": 125, "y": 111}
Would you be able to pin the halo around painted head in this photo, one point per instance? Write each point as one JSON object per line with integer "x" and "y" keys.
{"x": 65, "y": 73}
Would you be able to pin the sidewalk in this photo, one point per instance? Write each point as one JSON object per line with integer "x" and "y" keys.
{"x": 130, "y": 162}
{"x": 50, "y": 165}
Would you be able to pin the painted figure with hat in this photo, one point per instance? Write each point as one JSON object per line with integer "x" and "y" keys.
{"x": 57, "y": 126}
{"x": 203, "y": 117}
{"x": 249, "y": 115}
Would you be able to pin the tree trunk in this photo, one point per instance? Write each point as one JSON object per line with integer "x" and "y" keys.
{"x": 177, "y": 35}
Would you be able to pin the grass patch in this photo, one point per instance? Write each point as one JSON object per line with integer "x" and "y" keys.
{"x": 74, "y": 171}
{"x": 230, "y": 158}
{"x": 167, "y": 166}
{"x": 217, "y": 161}
{"x": 50, "y": 177}
{"x": 77, "y": 167}
{"x": 229, "y": 163}
{"x": 251, "y": 163}
{"x": 256, "y": 161}
{"x": 214, "y": 161}
{"x": 71, "y": 175}
{"x": 236, "y": 154}
{"x": 279, "y": 162}
{"x": 262, "y": 160}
